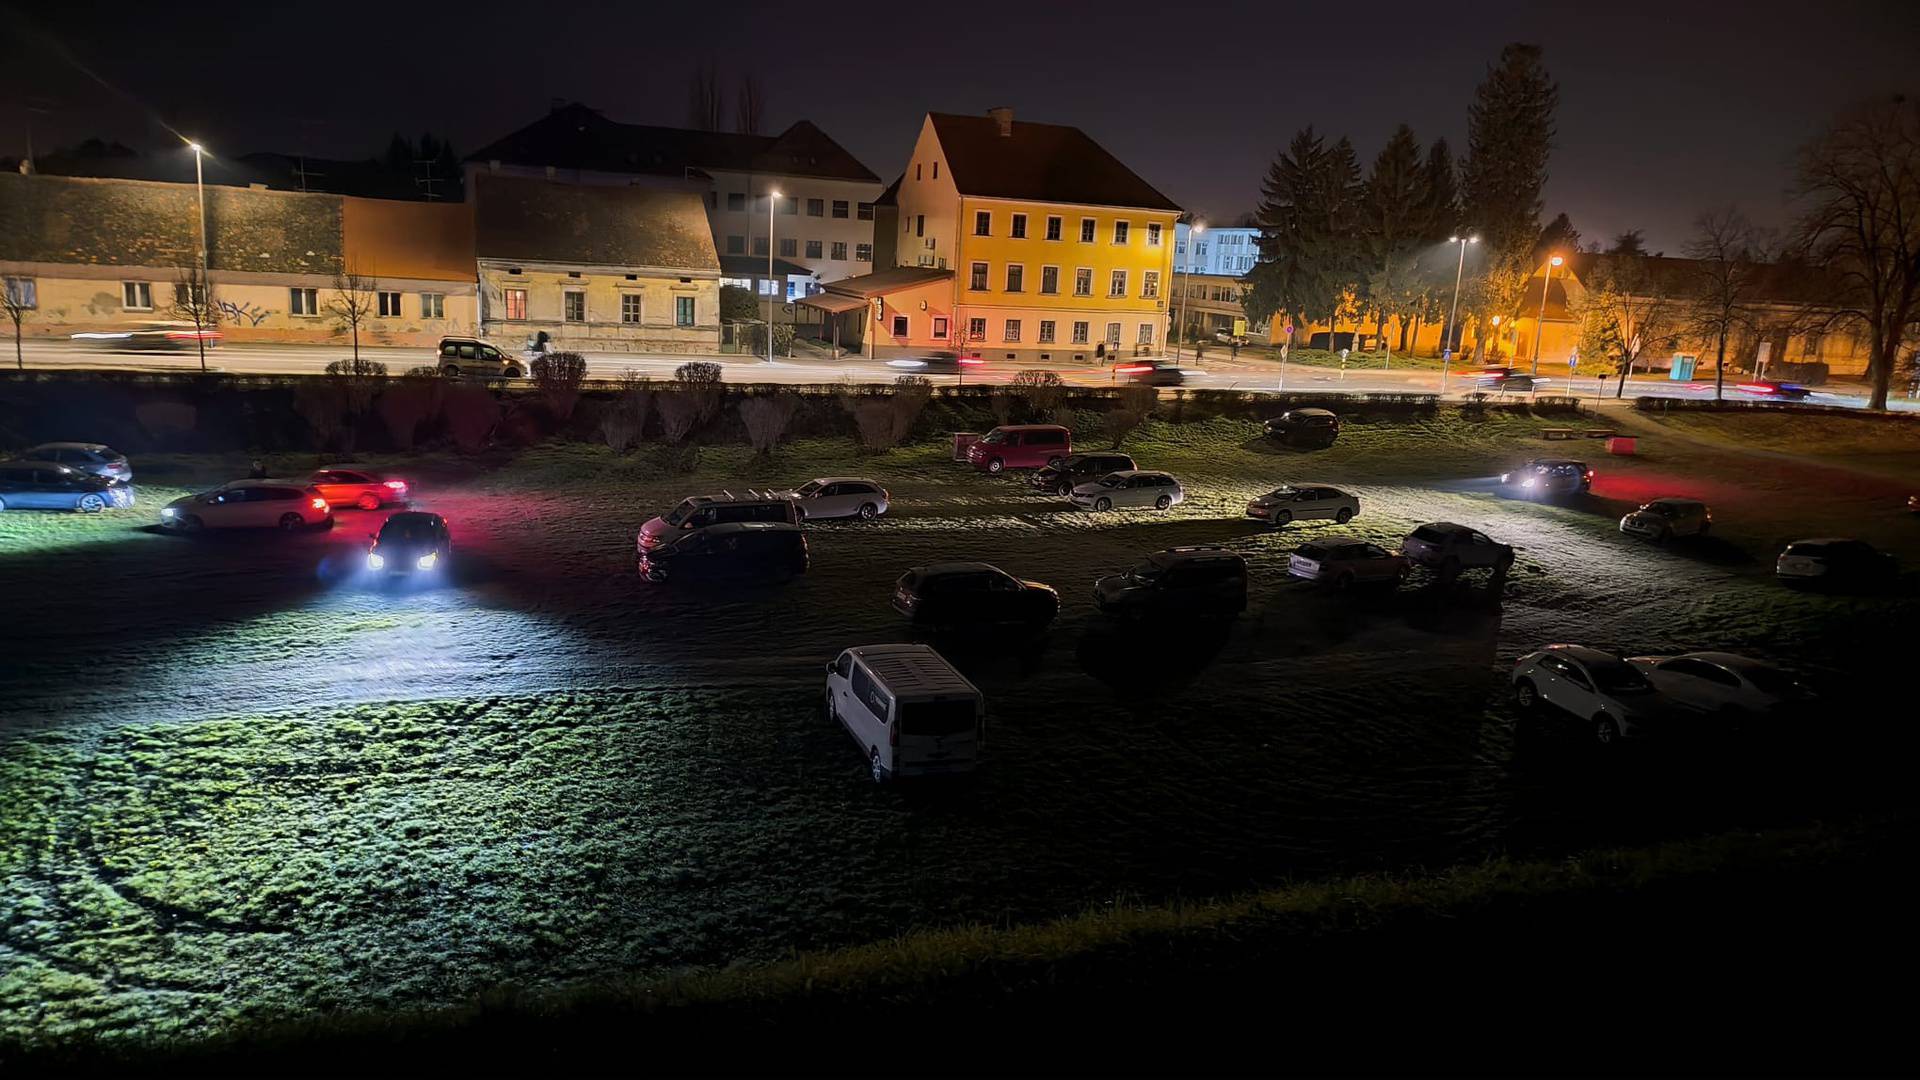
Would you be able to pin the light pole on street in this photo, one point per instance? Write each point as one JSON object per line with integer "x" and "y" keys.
{"x": 1446, "y": 340}
{"x": 1540, "y": 324}
{"x": 773, "y": 197}
{"x": 206, "y": 286}
{"x": 1186, "y": 265}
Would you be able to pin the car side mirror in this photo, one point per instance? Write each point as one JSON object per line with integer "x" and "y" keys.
{"x": 830, "y": 668}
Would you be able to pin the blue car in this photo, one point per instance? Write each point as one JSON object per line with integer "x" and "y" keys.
{"x": 44, "y": 485}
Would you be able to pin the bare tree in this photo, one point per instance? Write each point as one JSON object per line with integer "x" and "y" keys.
{"x": 767, "y": 419}
{"x": 1729, "y": 256}
{"x": 193, "y": 302}
{"x": 1860, "y": 180}
{"x": 16, "y": 302}
{"x": 353, "y": 302}
{"x": 1621, "y": 313}
{"x": 749, "y": 103}
{"x": 705, "y": 100}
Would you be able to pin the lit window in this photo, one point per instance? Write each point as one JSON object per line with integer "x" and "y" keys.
{"x": 863, "y": 253}
{"x": 516, "y": 303}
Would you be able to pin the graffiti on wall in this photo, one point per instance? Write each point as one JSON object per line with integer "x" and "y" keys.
{"x": 242, "y": 312}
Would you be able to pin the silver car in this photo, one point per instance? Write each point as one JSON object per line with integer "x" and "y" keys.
{"x": 1290, "y": 503}
{"x": 839, "y": 497}
{"x": 1129, "y": 487}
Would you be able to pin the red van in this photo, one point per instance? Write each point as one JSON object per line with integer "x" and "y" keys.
{"x": 1020, "y": 446}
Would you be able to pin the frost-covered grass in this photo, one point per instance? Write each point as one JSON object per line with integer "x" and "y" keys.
{"x": 1841, "y": 434}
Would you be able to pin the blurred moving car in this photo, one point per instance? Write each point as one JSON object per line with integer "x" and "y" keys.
{"x": 1775, "y": 390}
{"x": 1316, "y": 428}
{"x": 411, "y": 541}
{"x": 839, "y": 496}
{"x": 939, "y": 362}
{"x": 1450, "y": 548}
{"x": 1077, "y": 469}
{"x": 970, "y": 593}
{"x": 1228, "y": 337}
{"x": 1133, "y": 487}
{"x": 1834, "y": 559}
{"x": 1151, "y": 372}
{"x": 476, "y": 356}
{"x": 911, "y": 712}
{"x": 1020, "y": 446}
{"x": 346, "y": 485}
{"x": 1290, "y": 503}
{"x": 1182, "y": 581}
{"x": 700, "y": 511}
{"x": 1718, "y": 682}
{"x": 1668, "y": 517}
{"x": 95, "y": 458}
{"x": 154, "y": 336}
{"x": 46, "y": 485}
{"x": 1346, "y": 563}
{"x": 1549, "y": 476}
{"x": 1501, "y": 379}
{"x": 1598, "y": 687}
{"x": 246, "y": 504}
{"x": 737, "y": 550}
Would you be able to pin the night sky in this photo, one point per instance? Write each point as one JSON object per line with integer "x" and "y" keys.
{"x": 1666, "y": 109}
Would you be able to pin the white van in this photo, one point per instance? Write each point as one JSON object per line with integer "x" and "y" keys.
{"x": 910, "y": 711}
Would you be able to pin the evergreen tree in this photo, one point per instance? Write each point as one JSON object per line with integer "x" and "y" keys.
{"x": 1631, "y": 242}
{"x": 399, "y": 157}
{"x": 1308, "y": 217}
{"x": 1559, "y": 237}
{"x": 1393, "y": 226}
{"x": 1442, "y": 209}
{"x": 1509, "y": 135}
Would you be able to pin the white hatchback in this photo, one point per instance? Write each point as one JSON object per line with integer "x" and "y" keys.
{"x": 1598, "y": 688}
{"x": 1298, "y": 503}
{"x": 1130, "y": 487}
{"x": 838, "y": 497}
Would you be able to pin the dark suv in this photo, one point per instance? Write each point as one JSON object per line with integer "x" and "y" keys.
{"x": 1191, "y": 581}
{"x": 972, "y": 593}
{"x": 1304, "y": 427}
{"x": 735, "y": 551}
{"x": 1080, "y": 469}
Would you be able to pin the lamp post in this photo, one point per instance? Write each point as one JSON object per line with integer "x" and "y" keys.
{"x": 1446, "y": 340}
{"x": 1193, "y": 241}
{"x": 1540, "y": 324}
{"x": 206, "y": 287}
{"x": 773, "y": 196}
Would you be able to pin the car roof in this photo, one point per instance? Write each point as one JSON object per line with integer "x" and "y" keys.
{"x": 405, "y": 516}
{"x": 1730, "y": 661}
{"x": 1823, "y": 540}
{"x": 1444, "y": 526}
{"x": 844, "y": 480}
{"x": 264, "y": 481}
{"x": 1196, "y": 553}
{"x": 1556, "y": 461}
{"x": 932, "y": 569}
{"x": 913, "y": 669}
{"x": 730, "y": 528}
{"x": 730, "y": 497}
{"x": 69, "y": 446}
{"x": 1140, "y": 472}
{"x": 345, "y": 468}
{"x": 1675, "y": 500}
{"x": 1308, "y": 412}
{"x": 1583, "y": 652}
{"x": 1030, "y": 427}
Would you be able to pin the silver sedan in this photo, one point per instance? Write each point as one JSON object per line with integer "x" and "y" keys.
{"x": 1130, "y": 487}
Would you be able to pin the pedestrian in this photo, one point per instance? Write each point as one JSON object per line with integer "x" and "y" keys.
{"x": 259, "y": 470}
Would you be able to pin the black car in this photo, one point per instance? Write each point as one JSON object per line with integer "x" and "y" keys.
{"x": 1304, "y": 427}
{"x": 1186, "y": 581}
{"x": 44, "y": 485}
{"x": 971, "y": 594}
{"x": 939, "y": 362}
{"x": 1548, "y": 476}
{"x": 1151, "y": 372}
{"x": 411, "y": 542}
{"x": 733, "y": 551}
{"x": 87, "y": 457}
{"x": 1080, "y": 469}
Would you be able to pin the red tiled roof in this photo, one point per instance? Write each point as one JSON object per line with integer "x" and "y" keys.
{"x": 1039, "y": 162}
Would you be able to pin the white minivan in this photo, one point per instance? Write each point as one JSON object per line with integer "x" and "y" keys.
{"x": 910, "y": 711}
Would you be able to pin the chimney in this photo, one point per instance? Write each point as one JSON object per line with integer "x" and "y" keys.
{"x": 1003, "y": 115}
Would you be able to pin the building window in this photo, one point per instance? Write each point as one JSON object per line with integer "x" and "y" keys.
{"x": 389, "y": 304}
{"x": 1083, "y": 281}
{"x": 813, "y": 248}
{"x": 760, "y": 246}
{"x": 516, "y": 303}
{"x": 1046, "y": 331}
{"x": 737, "y": 201}
{"x": 789, "y": 247}
{"x": 25, "y": 292}
{"x": 575, "y": 308}
{"x": 1149, "y": 284}
{"x": 629, "y": 307}
{"x": 840, "y": 208}
{"x": 983, "y": 223}
{"x": 1146, "y": 333}
{"x": 736, "y": 245}
{"x": 433, "y": 305}
{"x": 184, "y": 295}
{"x": 1012, "y": 330}
{"x": 916, "y": 170}
{"x": 789, "y": 204}
{"x": 1016, "y": 277}
{"x": 977, "y": 277}
{"x": 864, "y": 211}
{"x": 936, "y": 170}
{"x": 1053, "y": 228}
{"x": 899, "y": 326}
{"x": 683, "y": 311}
{"x": 1019, "y": 228}
{"x": 816, "y": 207}
{"x": 303, "y": 301}
{"x": 940, "y": 327}
{"x": 1113, "y": 333}
{"x": 919, "y": 225}
{"x": 1120, "y": 232}
{"x": 976, "y": 329}
{"x": 1079, "y": 333}
{"x": 1118, "y": 286}
{"x": 1049, "y": 280}
{"x": 1153, "y": 234}
{"x": 863, "y": 253}
{"x": 136, "y": 295}
{"x": 1086, "y": 230}
{"x": 839, "y": 252}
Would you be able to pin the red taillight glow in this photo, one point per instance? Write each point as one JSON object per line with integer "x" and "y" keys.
{"x": 970, "y": 361}
{"x": 397, "y": 485}
{"x": 1134, "y": 369}
{"x": 1589, "y": 474}
{"x": 319, "y": 504}
{"x": 1758, "y": 388}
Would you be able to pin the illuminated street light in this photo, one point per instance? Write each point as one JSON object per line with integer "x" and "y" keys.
{"x": 1446, "y": 340}
{"x": 1193, "y": 243}
{"x": 206, "y": 284}
{"x": 773, "y": 196}
{"x": 1541, "y": 323}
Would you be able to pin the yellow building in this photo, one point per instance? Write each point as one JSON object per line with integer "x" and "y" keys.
{"x": 1018, "y": 240}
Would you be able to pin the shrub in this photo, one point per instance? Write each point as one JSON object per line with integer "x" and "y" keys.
{"x": 767, "y": 419}
{"x": 755, "y": 337}
{"x": 472, "y": 415}
{"x": 618, "y": 428}
{"x": 408, "y": 403}
{"x": 1043, "y": 391}
{"x": 559, "y": 375}
{"x": 910, "y": 396}
{"x": 419, "y": 371}
{"x": 699, "y": 380}
{"x": 357, "y": 380}
{"x": 626, "y": 417}
{"x": 698, "y": 373}
{"x": 1131, "y": 407}
{"x": 874, "y": 419}
{"x": 679, "y": 413}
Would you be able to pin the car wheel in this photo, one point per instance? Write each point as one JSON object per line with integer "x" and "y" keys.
{"x": 1103, "y": 504}
{"x": 994, "y": 465}
{"x": 291, "y": 522}
{"x": 1163, "y": 502}
{"x": 1526, "y": 695}
{"x": 3, "y": 505}
{"x": 1606, "y": 730}
{"x": 512, "y": 371}
{"x": 1282, "y": 517}
{"x": 1345, "y": 515}
{"x": 92, "y": 503}
{"x": 873, "y": 763}
{"x": 868, "y": 511}
{"x": 368, "y": 501}
{"x": 450, "y": 371}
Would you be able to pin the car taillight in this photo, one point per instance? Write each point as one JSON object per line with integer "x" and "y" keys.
{"x": 319, "y": 504}
{"x": 397, "y": 485}
{"x": 1589, "y": 474}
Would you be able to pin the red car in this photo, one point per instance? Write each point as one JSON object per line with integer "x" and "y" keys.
{"x": 1779, "y": 391}
{"x": 1021, "y": 446}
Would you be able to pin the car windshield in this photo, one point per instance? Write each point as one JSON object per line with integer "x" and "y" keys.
{"x": 406, "y": 531}
{"x": 1112, "y": 480}
{"x": 1769, "y": 680}
{"x": 1146, "y": 573}
{"x": 1618, "y": 677}
{"x": 995, "y": 436}
{"x": 681, "y": 513}
{"x": 1282, "y": 491}
{"x": 1430, "y": 534}
{"x": 809, "y": 488}
{"x": 1311, "y": 551}
{"x": 1663, "y": 509}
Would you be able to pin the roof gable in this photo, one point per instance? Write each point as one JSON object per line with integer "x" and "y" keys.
{"x": 1039, "y": 163}
{"x": 577, "y": 137}
{"x": 544, "y": 221}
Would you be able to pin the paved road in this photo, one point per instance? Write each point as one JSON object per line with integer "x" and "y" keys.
{"x": 1216, "y": 372}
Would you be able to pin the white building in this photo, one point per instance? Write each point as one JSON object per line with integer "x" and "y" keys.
{"x": 1216, "y": 252}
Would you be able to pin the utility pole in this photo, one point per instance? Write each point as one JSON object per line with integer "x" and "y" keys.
{"x": 1446, "y": 339}
{"x": 205, "y": 298}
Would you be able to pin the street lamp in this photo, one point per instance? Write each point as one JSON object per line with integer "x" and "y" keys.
{"x": 773, "y": 197}
{"x": 1193, "y": 242}
{"x": 1541, "y": 323}
{"x": 205, "y": 285}
{"x": 1446, "y": 341}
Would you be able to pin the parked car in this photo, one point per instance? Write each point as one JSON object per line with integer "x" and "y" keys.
{"x": 1723, "y": 683}
{"x": 700, "y": 511}
{"x": 1450, "y": 548}
{"x": 1549, "y": 476}
{"x": 1150, "y": 372}
{"x": 87, "y": 457}
{"x": 242, "y": 504}
{"x": 348, "y": 485}
{"x": 940, "y": 362}
{"x": 1666, "y": 518}
{"x": 47, "y": 485}
{"x": 1183, "y": 581}
{"x": 1599, "y": 688}
{"x": 153, "y": 335}
{"x": 1775, "y": 390}
{"x": 1346, "y": 563}
{"x": 1288, "y": 503}
{"x": 732, "y": 551}
{"x": 971, "y": 593}
{"x": 1836, "y": 560}
{"x": 838, "y": 497}
{"x": 1132, "y": 487}
{"x": 476, "y": 356}
{"x": 910, "y": 712}
{"x": 1077, "y": 469}
{"x": 409, "y": 542}
{"x": 1304, "y": 427}
{"x": 1020, "y": 446}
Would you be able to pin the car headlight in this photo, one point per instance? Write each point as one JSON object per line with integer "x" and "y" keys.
{"x": 1527, "y": 483}
{"x": 425, "y": 562}
{"x": 375, "y": 560}
{"x": 168, "y": 512}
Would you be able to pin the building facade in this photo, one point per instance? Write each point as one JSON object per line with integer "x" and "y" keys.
{"x": 1219, "y": 252}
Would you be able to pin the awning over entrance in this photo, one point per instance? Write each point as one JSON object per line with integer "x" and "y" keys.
{"x": 832, "y": 303}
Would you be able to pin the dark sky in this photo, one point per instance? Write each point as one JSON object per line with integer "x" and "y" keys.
{"x": 1666, "y": 109}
